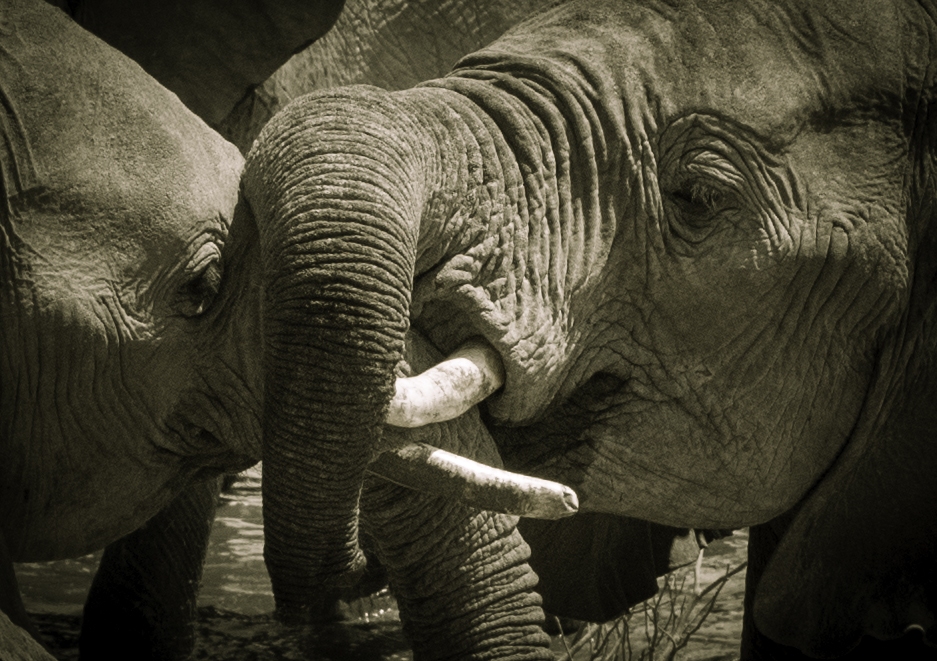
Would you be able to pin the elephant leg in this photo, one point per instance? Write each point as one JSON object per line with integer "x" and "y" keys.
{"x": 762, "y": 541}
{"x": 143, "y": 598}
{"x": 11, "y": 602}
{"x": 460, "y": 576}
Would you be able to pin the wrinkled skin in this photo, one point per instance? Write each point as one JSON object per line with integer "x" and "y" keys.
{"x": 699, "y": 235}
{"x": 206, "y": 383}
{"x": 124, "y": 385}
{"x": 392, "y": 44}
{"x": 111, "y": 267}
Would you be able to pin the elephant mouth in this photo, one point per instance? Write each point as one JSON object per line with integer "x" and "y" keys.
{"x": 445, "y": 391}
{"x": 205, "y": 451}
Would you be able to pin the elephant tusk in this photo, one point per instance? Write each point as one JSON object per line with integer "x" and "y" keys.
{"x": 449, "y": 389}
{"x": 424, "y": 468}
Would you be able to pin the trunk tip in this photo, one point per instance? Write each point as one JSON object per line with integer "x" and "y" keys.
{"x": 303, "y": 598}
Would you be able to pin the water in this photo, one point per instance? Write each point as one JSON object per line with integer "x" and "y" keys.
{"x": 235, "y": 601}
{"x": 234, "y": 577}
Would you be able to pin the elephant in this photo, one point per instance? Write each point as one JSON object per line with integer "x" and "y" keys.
{"x": 395, "y": 45}
{"x": 689, "y": 246}
{"x": 125, "y": 387}
{"x": 124, "y": 273}
{"x": 392, "y": 44}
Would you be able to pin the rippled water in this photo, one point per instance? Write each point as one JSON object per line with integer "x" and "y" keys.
{"x": 236, "y": 600}
{"x": 234, "y": 577}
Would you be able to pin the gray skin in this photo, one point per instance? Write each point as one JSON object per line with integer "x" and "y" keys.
{"x": 117, "y": 205}
{"x": 19, "y": 645}
{"x": 116, "y": 238}
{"x": 596, "y": 570}
{"x": 124, "y": 386}
{"x": 699, "y": 235}
{"x": 601, "y": 565}
{"x": 393, "y": 44}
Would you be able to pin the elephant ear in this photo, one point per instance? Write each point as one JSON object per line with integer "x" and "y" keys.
{"x": 595, "y": 567}
{"x": 211, "y": 53}
{"x": 860, "y": 555}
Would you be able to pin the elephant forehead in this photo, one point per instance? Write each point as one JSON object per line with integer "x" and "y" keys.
{"x": 99, "y": 148}
{"x": 768, "y": 66}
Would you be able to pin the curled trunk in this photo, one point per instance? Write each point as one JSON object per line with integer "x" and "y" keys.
{"x": 338, "y": 198}
{"x": 354, "y": 191}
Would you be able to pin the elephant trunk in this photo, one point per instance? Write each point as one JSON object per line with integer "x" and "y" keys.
{"x": 338, "y": 221}
{"x": 354, "y": 191}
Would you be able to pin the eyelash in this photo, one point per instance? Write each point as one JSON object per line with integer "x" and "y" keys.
{"x": 700, "y": 194}
{"x": 199, "y": 291}
{"x": 204, "y": 287}
{"x": 696, "y": 205}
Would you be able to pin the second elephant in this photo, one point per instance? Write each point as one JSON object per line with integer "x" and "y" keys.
{"x": 698, "y": 236}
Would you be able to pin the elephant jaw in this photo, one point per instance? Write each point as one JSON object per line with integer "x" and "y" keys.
{"x": 446, "y": 391}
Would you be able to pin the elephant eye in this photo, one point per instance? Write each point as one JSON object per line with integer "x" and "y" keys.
{"x": 699, "y": 201}
{"x": 696, "y": 206}
{"x": 202, "y": 285}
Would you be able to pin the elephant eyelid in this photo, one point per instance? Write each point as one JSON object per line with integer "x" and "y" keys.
{"x": 715, "y": 167}
{"x": 695, "y": 193}
{"x": 711, "y": 174}
{"x": 701, "y": 200}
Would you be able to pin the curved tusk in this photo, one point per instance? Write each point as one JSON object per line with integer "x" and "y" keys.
{"x": 424, "y": 468}
{"x": 449, "y": 389}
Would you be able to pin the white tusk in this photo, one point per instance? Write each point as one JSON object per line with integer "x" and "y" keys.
{"x": 449, "y": 389}
{"x": 424, "y": 468}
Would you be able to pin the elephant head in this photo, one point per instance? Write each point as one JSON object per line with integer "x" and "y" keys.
{"x": 122, "y": 374}
{"x": 699, "y": 238}
{"x": 124, "y": 371}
